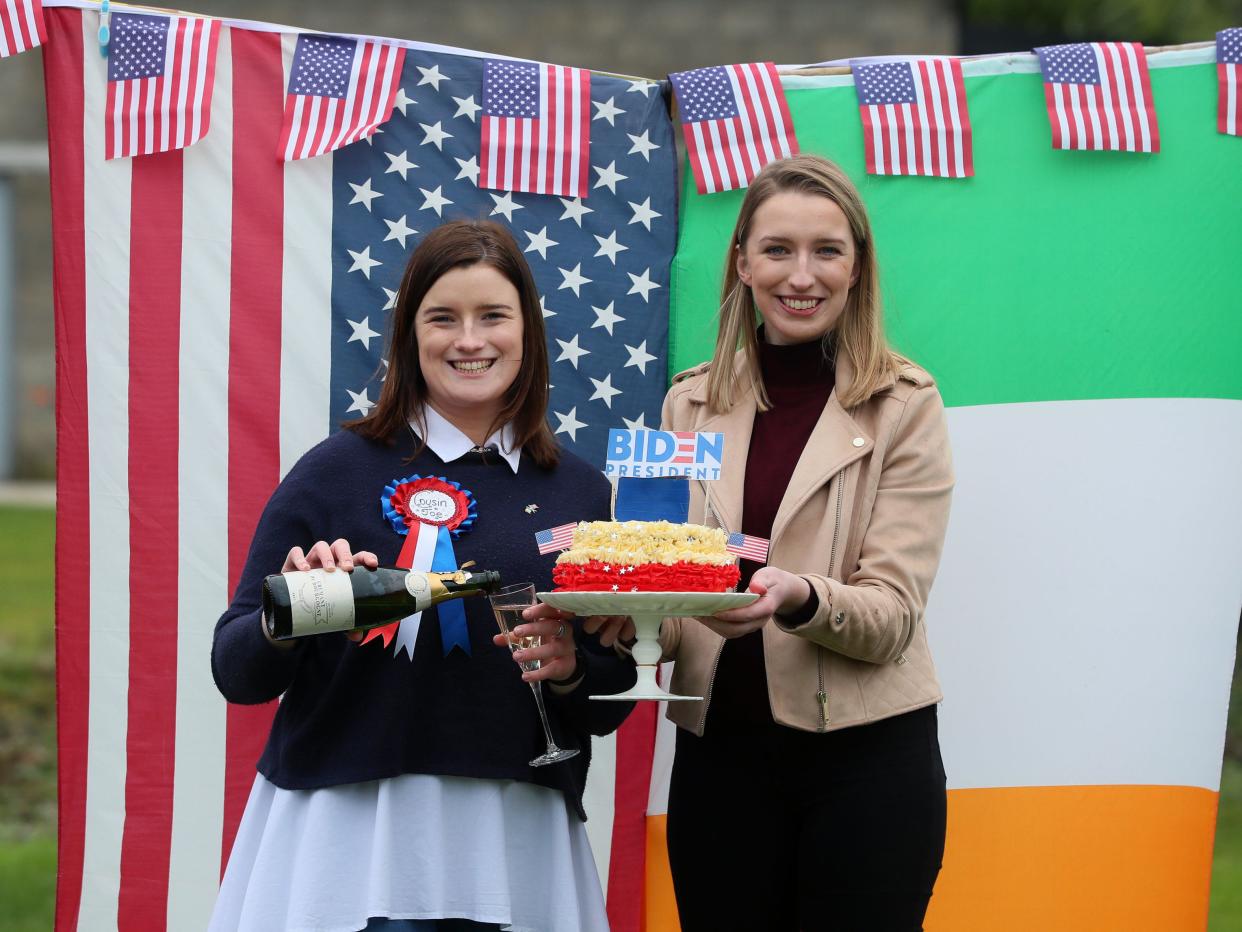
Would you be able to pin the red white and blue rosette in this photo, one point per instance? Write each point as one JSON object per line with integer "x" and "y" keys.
{"x": 428, "y": 511}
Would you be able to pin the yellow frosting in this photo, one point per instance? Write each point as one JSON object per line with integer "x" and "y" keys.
{"x": 631, "y": 543}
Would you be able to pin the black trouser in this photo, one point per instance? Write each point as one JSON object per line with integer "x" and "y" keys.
{"x": 787, "y": 830}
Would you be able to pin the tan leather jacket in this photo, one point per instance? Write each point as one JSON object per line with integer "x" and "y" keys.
{"x": 863, "y": 519}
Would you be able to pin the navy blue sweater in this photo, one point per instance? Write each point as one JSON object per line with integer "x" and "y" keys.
{"x": 360, "y": 712}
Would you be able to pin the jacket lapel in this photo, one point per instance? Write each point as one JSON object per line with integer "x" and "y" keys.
{"x": 725, "y": 494}
{"x": 835, "y": 442}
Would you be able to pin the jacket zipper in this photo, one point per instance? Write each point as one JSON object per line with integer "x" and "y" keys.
{"x": 822, "y": 696}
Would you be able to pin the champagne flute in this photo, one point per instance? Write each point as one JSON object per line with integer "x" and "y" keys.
{"x": 508, "y": 604}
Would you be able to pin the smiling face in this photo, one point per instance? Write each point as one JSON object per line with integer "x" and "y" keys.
{"x": 469, "y": 332}
{"x": 799, "y": 261}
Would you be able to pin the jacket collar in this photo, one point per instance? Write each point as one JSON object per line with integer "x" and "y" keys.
{"x": 835, "y": 442}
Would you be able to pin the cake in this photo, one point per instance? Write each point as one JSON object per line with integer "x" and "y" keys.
{"x": 645, "y": 556}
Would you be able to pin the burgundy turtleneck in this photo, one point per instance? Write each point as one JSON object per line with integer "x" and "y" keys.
{"x": 798, "y": 380}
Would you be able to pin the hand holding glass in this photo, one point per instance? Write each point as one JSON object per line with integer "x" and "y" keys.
{"x": 508, "y": 604}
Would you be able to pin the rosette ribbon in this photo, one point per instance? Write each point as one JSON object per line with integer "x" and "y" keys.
{"x": 428, "y": 511}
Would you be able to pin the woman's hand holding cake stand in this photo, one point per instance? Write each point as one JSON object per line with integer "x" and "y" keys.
{"x": 780, "y": 593}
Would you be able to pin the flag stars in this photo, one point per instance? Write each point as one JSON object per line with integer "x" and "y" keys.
{"x": 642, "y": 284}
{"x": 605, "y": 317}
{"x": 467, "y": 107}
{"x": 505, "y": 204}
{"x": 469, "y": 168}
{"x": 643, "y": 213}
{"x": 608, "y": 176}
{"x": 639, "y": 357}
{"x": 434, "y": 135}
{"x": 430, "y": 76}
{"x": 571, "y": 351}
{"x": 398, "y": 163}
{"x": 400, "y": 102}
{"x": 360, "y": 402}
{"x": 363, "y": 194}
{"x": 640, "y": 87}
{"x": 546, "y": 311}
{"x": 569, "y": 423}
{"x": 540, "y": 243}
{"x": 575, "y": 210}
{"x": 434, "y": 200}
{"x": 608, "y": 246}
{"x": 638, "y": 423}
{"x": 606, "y": 111}
{"x": 604, "y": 390}
{"x": 363, "y": 262}
{"x": 642, "y": 145}
{"x": 398, "y": 230}
{"x": 573, "y": 278}
{"x": 392, "y": 300}
{"x": 362, "y": 332}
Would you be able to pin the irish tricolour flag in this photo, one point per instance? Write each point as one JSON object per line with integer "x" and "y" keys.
{"x": 1080, "y": 312}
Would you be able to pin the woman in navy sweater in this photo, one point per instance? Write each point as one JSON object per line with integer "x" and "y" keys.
{"x": 394, "y": 791}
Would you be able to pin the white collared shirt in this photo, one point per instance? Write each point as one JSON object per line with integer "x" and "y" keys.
{"x": 447, "y": 441}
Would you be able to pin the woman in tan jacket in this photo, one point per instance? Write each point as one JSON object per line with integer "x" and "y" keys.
{"x": 807, "y": 789}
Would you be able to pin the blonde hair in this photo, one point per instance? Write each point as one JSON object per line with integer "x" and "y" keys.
{"x": 859, "y": 334}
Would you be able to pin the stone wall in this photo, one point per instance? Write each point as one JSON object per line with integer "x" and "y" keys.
{"x": 645, "y": 38}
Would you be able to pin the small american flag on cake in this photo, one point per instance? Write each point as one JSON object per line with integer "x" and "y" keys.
{"x": 748, "y": 547}
{"x": 557, "y": 538}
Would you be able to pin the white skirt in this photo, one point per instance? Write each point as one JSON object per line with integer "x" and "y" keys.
{"x": 410, "y": 847}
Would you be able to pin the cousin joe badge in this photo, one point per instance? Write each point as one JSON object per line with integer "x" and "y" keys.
{"x": 429, "y": 511}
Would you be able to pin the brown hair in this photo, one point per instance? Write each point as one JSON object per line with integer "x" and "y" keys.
{"x": 858, "y": 335}
{"x": 455, "y": 245}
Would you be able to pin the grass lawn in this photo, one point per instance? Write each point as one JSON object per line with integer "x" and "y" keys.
{"x": 28, "y": 742}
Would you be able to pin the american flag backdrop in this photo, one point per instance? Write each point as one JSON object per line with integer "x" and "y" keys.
{"x": 1229, "y": 76}
{"x": 218, "y": 311}
{"x": 340, "y": 89}
{"x": 536, "y": 128}
{"x": 161, "y": 71}
{"x": 914, "y": 117}
{"x": 735, "y": 120}
{"x": 21, "y": 26}
{"x": 1099, "y": 96}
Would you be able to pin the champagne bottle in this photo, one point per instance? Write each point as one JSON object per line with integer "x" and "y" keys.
{"x": 317, "y": 601}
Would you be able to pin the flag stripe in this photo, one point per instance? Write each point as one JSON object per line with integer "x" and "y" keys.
{"x": 198, "y": 790}
{"x": 1111, "y": 109}
{"x": 107, "y": 217}
{"x": 254, "y": 363}
{"x": 635, "y": 747}
{"x": 65, "y": 80}
{"x": 306, "y": 298}
{"x": 21, "y": 26}
{"x": 153, "y": 337}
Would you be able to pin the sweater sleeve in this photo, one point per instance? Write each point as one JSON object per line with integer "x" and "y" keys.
{"x": 247, "y": 668}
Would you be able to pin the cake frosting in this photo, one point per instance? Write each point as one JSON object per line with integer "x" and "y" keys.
{"x": 646, "y": 556}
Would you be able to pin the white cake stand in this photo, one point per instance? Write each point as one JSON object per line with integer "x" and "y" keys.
{"x": 648, "y": 610}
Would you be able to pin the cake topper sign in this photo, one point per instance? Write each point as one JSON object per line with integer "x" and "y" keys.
{"x": 653, "y": 453}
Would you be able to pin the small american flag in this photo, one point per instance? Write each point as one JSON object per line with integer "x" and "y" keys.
{"x": 748, "y": 547}
{"x": 536, "y": 128}
{"x": 735, "y": 121}
{"x": 914, "y": 117}
{"x": 1099, "y": 96}
{"x": 161, "y": 70}
{"x": 21, "y": 26}
{"x": 339, "y": 91}
{"x": 557, "y": 538}
{"x": 1229, "y": 73}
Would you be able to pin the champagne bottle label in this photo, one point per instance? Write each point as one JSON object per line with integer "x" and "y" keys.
{"x": 320, "y": 601}
{"x": 419, "y": 586}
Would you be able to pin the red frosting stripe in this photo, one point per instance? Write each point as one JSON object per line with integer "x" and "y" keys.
{"x": 595, "y": 576}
